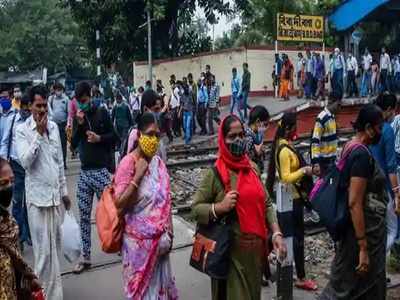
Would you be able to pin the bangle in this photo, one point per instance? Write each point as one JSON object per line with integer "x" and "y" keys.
{"x": 135, "y": 184}
{"x": 213, "y": 211}
{"x": 275, "y": 235}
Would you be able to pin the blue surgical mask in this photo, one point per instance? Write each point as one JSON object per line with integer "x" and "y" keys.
{"x": 5, "y": 103}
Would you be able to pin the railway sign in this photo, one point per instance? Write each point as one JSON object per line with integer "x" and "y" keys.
{"x": 301, "y": 28}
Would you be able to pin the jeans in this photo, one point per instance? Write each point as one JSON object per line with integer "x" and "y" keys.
{"x": 187, "y": 125}
{"x": 63, "y": 138}
{"x": 19, "y": 210}
{"x": 308, "y": 89}
{"x": 384, "y": 81}
{"x": 235, "y": 101}
{"x": 366, "y": 84}
{"x": 397, "y": 82}
{"x": 337, "y": 83}
{"x": 245, "y": 95}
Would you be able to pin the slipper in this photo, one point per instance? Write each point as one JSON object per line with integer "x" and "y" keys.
{"x": 307, "y": 285}
{"x": 80, "y": 267}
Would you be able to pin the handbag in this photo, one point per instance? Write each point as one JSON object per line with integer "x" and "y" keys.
{"x": 212, "y": 243}
{"x": 109, "y": 225}
{"x": 329, "y": 197}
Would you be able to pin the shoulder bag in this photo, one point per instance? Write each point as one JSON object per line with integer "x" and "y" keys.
{"x": 329, "y": 197}
{"x": 212, "y": 243}
{"x": 110, "y": 226}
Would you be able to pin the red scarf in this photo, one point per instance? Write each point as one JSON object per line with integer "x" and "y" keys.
{"x": 250, "y": 206}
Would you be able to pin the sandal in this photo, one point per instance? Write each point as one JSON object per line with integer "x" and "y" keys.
{"x": 80, "y": 267}
{"x": 307, "y": 285}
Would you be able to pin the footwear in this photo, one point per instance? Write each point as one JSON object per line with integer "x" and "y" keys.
{"x": 307, "y": 285}
{"x": 82, "y": 266}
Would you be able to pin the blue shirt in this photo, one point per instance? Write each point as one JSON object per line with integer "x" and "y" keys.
{"x": 235, "y": 85}
{"x": 6, "y": 136}
{"x": 202, "y": 95}
{"x": 384, "y": 152}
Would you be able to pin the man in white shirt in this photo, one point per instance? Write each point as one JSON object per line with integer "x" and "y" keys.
{"x": 174, "y": 103}
{"x": 135, "y": 101}
{"x": 338, "y": 73}
{"x": 40, "y": 154}
{"x": 367, "y": 73}
{"x": 386, "y": 69}
{"x": 352, "y": 71}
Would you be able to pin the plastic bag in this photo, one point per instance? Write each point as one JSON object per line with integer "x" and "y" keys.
{"x": 71, "y": 238}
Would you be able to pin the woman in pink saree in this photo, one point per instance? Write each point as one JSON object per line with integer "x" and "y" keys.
{"x": 142, "y": 188}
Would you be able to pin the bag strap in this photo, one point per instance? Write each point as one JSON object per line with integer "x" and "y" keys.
{"x": 347, "y": 152}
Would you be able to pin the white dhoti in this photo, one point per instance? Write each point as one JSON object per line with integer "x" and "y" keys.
{"x": 45, "y": 226}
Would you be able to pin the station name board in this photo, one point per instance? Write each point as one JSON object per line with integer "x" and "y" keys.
{"x": 301, "y": 28}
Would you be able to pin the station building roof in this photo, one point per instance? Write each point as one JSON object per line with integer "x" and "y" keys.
{"x": 351, "y": 12}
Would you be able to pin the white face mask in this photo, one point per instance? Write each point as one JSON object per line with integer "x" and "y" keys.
{"x": 58, "y": 93}
{"x": 17, "y": 94}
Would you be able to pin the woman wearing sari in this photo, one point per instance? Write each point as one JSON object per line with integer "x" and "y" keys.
{"x": 358, "y": 270}
{"x": 142, "y": 190}
{"x": 240, "y": 190}
{"x": 12, "y": 265}
{"x": 286, "y": 78}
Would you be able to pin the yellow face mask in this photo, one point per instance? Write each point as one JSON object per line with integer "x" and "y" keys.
{"x": 149, "y": 145}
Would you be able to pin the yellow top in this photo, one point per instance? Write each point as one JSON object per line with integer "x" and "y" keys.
{"x": 16, "y": 103}
{"x": 289, "y": 167}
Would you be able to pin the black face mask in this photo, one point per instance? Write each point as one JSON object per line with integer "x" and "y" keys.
{"x": 377, "y": 137}
{"x": 6, "y": 197}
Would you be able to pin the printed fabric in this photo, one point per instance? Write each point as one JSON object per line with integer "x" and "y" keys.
{"x": 148, "y": 233}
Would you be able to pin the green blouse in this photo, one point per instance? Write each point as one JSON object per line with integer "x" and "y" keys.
{"x": 211, "y": 191}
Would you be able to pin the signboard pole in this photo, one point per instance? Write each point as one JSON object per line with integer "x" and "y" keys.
{"x": 276, "y": 86}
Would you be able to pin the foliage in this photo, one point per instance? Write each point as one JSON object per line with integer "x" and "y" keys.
{"x": 123, "y": 29}
{"x": 36, "y": 33}
{"x": 193, "y": 38}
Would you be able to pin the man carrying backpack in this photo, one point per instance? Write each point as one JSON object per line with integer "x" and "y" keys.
{"x": 384, "y": 153}
{"x": 324, "y": 140}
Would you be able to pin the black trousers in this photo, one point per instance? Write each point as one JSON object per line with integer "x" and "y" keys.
{"x": 351, "y": 84}
{"x": 298, "y": 237}
{"x": 176, "y": 122}
{"x": 63, "y": 138}
{"x": 202, "y": 117}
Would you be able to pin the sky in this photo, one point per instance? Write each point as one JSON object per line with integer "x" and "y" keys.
{"x": 223, "y": 25}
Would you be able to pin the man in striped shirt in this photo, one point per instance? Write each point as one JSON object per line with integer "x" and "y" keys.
{"x": 324, "y": 140}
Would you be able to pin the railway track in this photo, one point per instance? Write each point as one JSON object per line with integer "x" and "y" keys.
{"x": 196, "y": 159}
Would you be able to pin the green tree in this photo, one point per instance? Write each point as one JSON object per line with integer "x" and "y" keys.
{"x": 36, "y": 33}
{"x": 124, "y": 35}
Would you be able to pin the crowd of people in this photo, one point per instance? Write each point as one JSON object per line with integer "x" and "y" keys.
{"x": 367, "y": 77}
{"x": 36, "y": 128}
